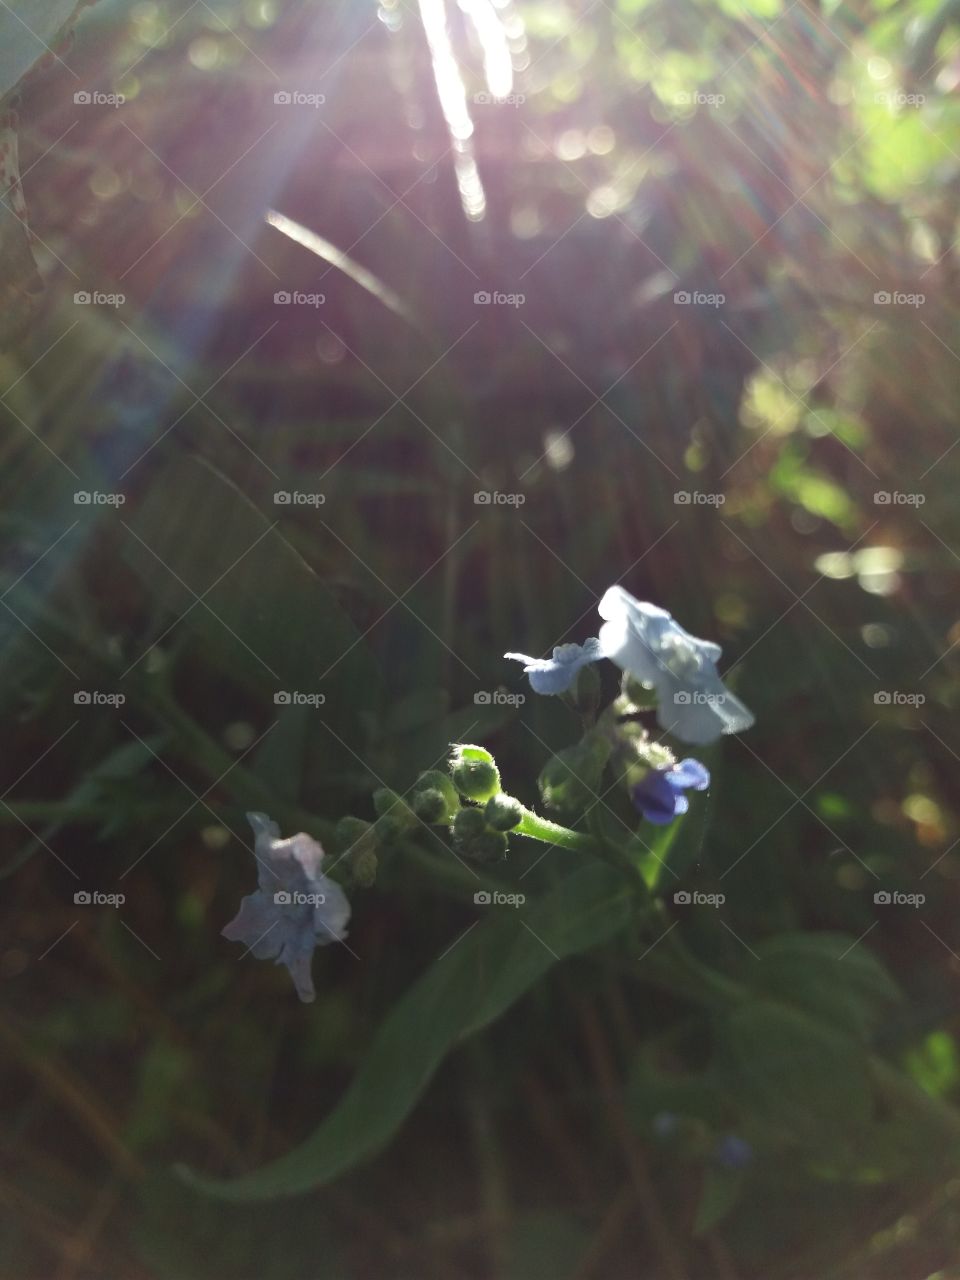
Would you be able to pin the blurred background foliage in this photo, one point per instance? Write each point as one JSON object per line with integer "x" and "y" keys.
{"x": 797, "y": 159}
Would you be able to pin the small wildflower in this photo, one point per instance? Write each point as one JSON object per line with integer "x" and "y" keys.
{"x": 557, "y": 674}
{"x": 733, "y": 1152}
{"x": 646, "y": 643}
{"x": 660, "y": 794}
{"x": 296, "y": 907}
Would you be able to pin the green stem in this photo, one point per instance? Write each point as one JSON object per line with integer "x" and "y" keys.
{"x": 537, "y": 828}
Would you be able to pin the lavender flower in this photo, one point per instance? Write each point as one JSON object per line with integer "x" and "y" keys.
{"x": 296, "y": 907}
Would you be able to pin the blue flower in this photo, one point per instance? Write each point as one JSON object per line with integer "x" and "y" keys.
{"x": 644, "y": 641}
{"x": 659, "y": 796}
{"x": 557, "y": 674}
{"x": 296, "y": 907}
{"x": 733, "y": 1152}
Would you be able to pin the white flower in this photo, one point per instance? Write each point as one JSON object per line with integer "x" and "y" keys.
{"x": 692, "y": 702}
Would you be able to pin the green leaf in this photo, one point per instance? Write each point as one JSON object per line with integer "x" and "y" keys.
{"x": 806, "y": 1081}
{"x": 474, "y": 981}
{"x": 829, "y": 976}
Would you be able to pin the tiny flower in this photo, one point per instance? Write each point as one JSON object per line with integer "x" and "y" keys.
{"x": 296, "y": 907}
{"x": 733, "y": 1152}
{"x": 557, "y": 674}
{"x": 645, "y": 641}
{"x": 659, "y": 795}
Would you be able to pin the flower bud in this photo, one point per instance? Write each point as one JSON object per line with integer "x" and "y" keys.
{"x": 475, "y": 773}
{"x": 435, "y": 798}
{"x": 585, "y": 693}
{"x": 570, "y": 781}
{"x": 502, "y": 812}
{"x": 473, "y": 839}
{"x": 387, "y": 804}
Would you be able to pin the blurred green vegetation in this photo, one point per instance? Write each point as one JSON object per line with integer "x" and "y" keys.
{"x": 800, "y": 160}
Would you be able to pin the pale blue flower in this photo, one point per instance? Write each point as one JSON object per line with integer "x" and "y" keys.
{"x": 692, "y": 702}
{"x": 557, "y": 674}
{"x": 296, "y": 907}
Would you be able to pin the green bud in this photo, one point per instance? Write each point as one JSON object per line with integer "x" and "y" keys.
{"x": 570, "y": 781}
{"x": 435, "y": 798}
{"x": 387, "y": 804}
{"x": 364, "y": 866}
{"x": 475, "y": 772}
{"x": 503, "y": 813}
{"x": 468, "y": 823}
{"x": 388, "y": 830}
{"x": 585, "y": 694}
{"x": 350, "y": 833}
